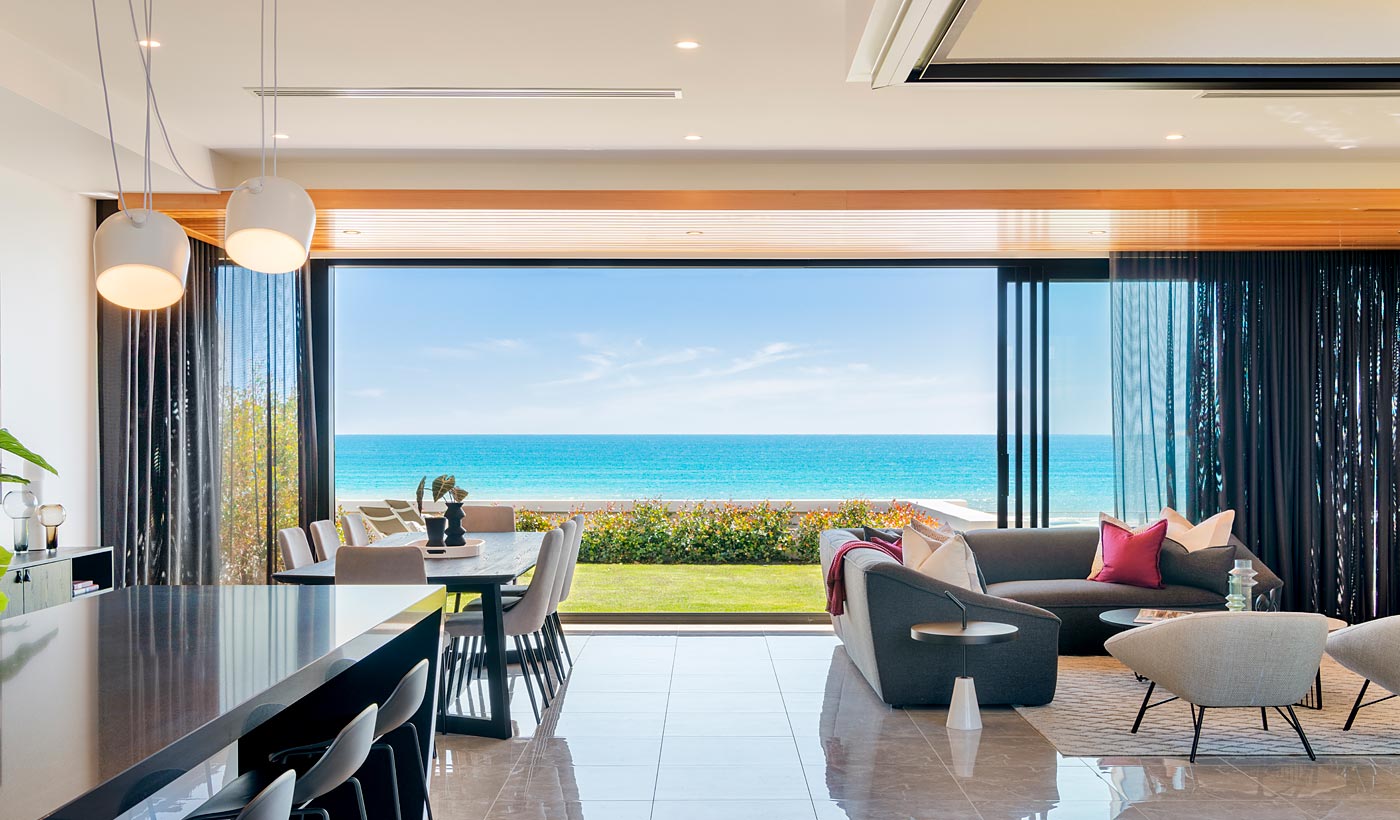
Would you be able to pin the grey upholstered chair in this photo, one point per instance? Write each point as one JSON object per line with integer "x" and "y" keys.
{"x": 1371, "y": 650}
{"x": 296, "y": 551}
{"x": 480, "y": 518}
{"x": 383, "y": 520}
{"x": 325, "y": 539}
{"x": 380, "y": 565}
{"x": 1226, "y": 660}
{"x": 524, "y": 619}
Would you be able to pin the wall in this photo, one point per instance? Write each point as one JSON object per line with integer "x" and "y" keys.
{"x": 48, "y": 347}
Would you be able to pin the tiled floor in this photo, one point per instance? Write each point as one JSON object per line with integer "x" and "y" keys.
{"x": 780, "y": 727}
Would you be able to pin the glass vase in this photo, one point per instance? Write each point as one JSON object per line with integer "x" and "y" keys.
{"x": 1241, "y": 586}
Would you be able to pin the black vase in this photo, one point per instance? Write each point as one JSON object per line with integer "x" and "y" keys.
{"x": 436, "y": 527}
{"x": 455, "y": 535}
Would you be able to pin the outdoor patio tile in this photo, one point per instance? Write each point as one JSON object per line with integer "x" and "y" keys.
{"x": 756, "y": 682}
{"x": 955, "y": 808}
{"x": 563, "y": 810}
{"x": 1057, "y": 810}
{"x": 576, "y": 783}
{"x": 633, "y": 702}
{"x": 726, "y": 702}
{"x": 729, "y": 751}
{"x": 733, "y": 810}
{"x": 753, "y": 724}
{"x": 602, "y": 724}
{"x": 584, "y": 681}
{"x": 748, "y": 782}
{"x": 596, "y": 751}
{"x": 1268, "y": 809}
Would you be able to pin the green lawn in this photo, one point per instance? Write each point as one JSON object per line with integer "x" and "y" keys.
{"x": 696, "y": 588}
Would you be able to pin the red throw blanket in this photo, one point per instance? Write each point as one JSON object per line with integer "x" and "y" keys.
{"x": 836, "y": 574}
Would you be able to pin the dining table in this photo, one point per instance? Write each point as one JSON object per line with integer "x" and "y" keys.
{"x": 503, "y": 557}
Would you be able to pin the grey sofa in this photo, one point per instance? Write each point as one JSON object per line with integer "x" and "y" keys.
{"x": 884, "y": 599}
{"x": 1036, "y": 579}
{"x": 1049, "y": 568}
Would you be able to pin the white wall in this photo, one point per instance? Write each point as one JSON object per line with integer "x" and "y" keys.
{"x": 48, "y": 348}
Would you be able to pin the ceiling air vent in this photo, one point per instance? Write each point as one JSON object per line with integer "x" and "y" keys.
{"x": 469, "y": 93}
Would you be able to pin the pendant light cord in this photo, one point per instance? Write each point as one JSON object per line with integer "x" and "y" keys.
{"x": 107, "y": 102}
{"x": 144, "y": 53}
{"x": 275, "y": 132}
{"x": 262, "y": 85}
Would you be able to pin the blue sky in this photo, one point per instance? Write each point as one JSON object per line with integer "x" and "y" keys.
{"x": 693, "y": 350}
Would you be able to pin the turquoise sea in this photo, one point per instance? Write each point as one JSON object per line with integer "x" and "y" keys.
{"x": 718, "y": 467}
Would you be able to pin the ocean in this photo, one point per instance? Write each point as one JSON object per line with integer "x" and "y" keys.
{"x": 718, "y": 468}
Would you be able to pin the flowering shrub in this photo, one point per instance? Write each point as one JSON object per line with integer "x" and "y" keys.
{"x": 715, "y": 533}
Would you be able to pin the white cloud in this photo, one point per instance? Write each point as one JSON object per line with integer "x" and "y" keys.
{"x": 768, "y": 354}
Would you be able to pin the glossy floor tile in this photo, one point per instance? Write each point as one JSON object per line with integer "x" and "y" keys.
{"x": 783, "y": 727}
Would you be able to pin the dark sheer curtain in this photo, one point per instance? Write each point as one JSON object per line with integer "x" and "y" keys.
{"x": 260, "y": 353}
{"x": 1286, "y": 411}
{"x": 158, "y": 428}
{"x": 207, "y": 441}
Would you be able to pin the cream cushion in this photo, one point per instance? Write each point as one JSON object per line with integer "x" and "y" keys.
{"x": 951, "y": 562}
{"x": 1212, "y": 532}
{"x": 1098, "y": 553}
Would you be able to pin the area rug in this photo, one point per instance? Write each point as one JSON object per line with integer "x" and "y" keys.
{"x": 1097, "y": 699}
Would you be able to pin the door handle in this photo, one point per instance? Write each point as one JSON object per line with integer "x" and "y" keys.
{"x": 26, "y": 576}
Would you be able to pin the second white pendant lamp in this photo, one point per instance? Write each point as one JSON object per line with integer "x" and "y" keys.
{"x": 269, "y": 224}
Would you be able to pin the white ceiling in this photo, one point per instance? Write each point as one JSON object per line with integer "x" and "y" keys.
{"x": 768, "y": 80}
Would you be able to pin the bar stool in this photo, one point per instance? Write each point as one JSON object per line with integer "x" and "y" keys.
{"x": 335, "y": 766}
{"x": 273, "y": 802}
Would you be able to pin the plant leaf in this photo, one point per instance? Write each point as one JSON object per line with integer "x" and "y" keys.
{"x": 459, "y": 494}
{"x": 7, "y": 478}
{"x": 442, "y": 485}
{"x": 421, "y": 485}
{"x": 10, "y": 444}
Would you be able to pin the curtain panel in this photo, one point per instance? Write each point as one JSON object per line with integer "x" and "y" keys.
{"x": 203, "y": 428}
{"x": 1268, "y": 383}
{"x": 158, "y": 410}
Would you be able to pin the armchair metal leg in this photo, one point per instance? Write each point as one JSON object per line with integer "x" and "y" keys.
{"x": 1356, "y": 707}
{"x": 1199, "y": 713}
{"x": 1264, "y": 717}
{"x": 1291, "y": 718}
{"x": 1143, "y": 710}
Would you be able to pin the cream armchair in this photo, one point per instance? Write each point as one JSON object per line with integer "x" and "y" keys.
{"x": 1227, "y": 660}
{"x": 1371, "y": 650}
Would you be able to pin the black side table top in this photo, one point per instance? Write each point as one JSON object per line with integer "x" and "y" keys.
{"x": 952, "y": 632}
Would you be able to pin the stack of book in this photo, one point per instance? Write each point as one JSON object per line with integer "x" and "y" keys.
{"x": 81, "y": 588}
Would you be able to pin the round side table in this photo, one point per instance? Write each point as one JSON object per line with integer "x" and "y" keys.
{"x": 963, "y": 712}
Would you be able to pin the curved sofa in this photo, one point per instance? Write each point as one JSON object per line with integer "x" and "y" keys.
{"x": 1036, "y": 579}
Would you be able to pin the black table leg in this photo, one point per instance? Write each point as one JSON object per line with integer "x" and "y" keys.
{"x": 493, "y": 626}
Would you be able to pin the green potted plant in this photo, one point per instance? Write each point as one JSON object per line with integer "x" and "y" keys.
{"x": 445, "y": 487}
{"x": 12, "y": 445}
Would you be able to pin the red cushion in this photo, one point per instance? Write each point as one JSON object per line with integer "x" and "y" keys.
{"x": 1132, "y": 557}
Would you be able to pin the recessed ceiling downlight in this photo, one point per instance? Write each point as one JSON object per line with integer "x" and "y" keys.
{"x": 1175, "y": 137}
{"x": 687, "y": 45}
{"x": 693, "y": 137}
{"x": 141, "y": 259}
{"x": 268, "y": 225}
{"x": 148, "y": 43}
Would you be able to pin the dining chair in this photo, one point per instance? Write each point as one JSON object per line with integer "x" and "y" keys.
{"x": 336, "y": 765}
{"x": 380, "y": 565}
{"x": 325, "y": 539}
{"x": 296, "y": 551}
{"x": 356, "y": 533}
{"x": 406, "y": 510}
{"x": 520, "y": 621}
{"x": 488, "y": 518}
{"x": 383, "y": 520}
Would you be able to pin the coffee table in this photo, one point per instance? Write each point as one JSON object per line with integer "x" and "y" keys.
{"x": 963, "y": 712}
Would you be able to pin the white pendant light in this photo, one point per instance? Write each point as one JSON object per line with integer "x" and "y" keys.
{"x": 141, "y": 259}
{"x": 269, "y": 224}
